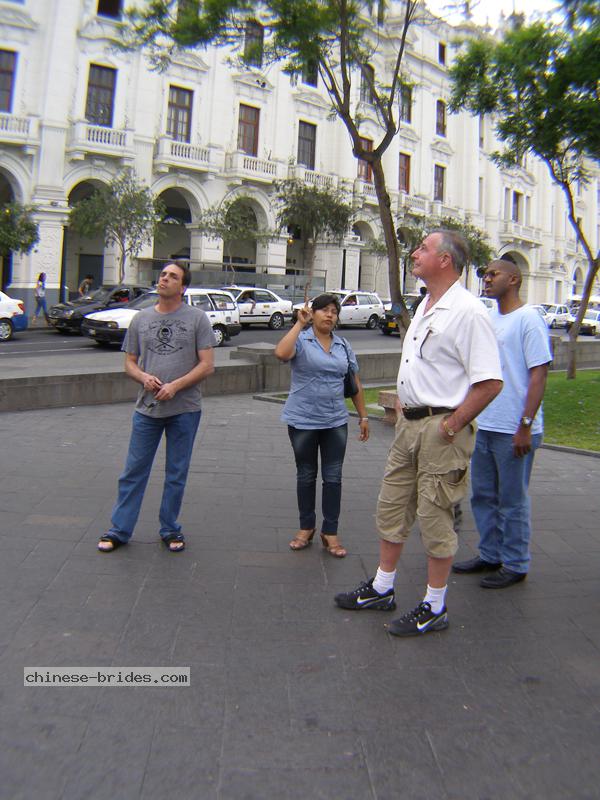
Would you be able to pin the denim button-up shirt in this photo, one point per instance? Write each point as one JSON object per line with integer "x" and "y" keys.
{"x": 316, "y": 398}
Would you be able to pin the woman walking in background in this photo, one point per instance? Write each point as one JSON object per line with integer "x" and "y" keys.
{"x": 317, "y": 418}
{"x": 40, "y": 299}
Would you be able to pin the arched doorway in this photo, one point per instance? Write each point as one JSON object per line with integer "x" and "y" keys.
{"x": 173, "y": 242}
{"x": 7, "y": 195}
{"x": 516, "y": 258}
{"x": 82, "y": 255}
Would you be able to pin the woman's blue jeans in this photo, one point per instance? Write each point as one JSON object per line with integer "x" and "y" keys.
{"x": 331, "y": 442}
{"x": 40, "y": 307}
{"x": 146, "y": 433}
{"x": 500, "y": 501}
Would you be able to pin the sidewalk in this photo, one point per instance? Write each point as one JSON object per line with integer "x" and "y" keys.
{"x": 290, "y": 697}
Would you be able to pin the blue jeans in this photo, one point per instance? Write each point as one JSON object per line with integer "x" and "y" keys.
{"x": 146, "y": 433}
{"x": 331, "y": 442}
{"x": 500, "y": 500}
{"x": 40, "y": 306}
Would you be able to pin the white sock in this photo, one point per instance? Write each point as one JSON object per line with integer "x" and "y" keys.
{"x": 383, "y": 581}
{"x": 436, "y": 598}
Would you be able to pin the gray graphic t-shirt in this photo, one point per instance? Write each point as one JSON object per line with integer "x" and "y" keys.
{"x": 167, "y": 346}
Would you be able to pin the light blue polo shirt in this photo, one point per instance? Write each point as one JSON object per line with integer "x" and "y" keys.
{"x": 316, "y": 398}
{"x": 524, "y": 343}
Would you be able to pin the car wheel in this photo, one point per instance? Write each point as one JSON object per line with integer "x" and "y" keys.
{"x": 372, "y": 322}
{"x": 276, "y": 322}
{"x": 6, "y": 330}
{"x": 219, "y": 335}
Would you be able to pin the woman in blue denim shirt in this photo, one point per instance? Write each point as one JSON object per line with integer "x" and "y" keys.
{"x": 317, "y": 418}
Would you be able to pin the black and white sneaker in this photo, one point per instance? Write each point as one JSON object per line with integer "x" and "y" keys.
{"x": 420, "y": 620}
{"x": 365, "y": 596}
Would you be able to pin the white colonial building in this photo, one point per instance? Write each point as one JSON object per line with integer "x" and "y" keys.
{"x": 74, "y": 110}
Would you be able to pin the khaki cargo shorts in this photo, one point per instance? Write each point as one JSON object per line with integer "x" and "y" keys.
{"x": 425, "y": 476}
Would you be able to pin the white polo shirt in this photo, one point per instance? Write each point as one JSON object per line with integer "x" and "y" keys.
{"x": 447, "y": 350}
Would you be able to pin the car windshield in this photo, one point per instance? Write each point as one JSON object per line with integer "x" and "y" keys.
{"x": 222, "y": 302}
{"x": 145, "y": 301}
{"x": 98, "y": 296}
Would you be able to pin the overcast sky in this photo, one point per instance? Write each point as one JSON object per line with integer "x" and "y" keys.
{"x": 489, "y": 10}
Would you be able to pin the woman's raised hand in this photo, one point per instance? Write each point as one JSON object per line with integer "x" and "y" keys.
{"x": 305, "y": 316}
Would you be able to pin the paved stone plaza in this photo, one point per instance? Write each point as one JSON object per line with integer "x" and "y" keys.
{"x": 290, "y": 697}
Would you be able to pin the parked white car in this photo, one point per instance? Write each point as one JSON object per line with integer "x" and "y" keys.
{"x": 557, "y": 316}
{"x": 357, "y": 308}
{"x": 12, "y": 317}
{"x": 590, "y": 324}
{"x": 261, "y": 307}
{"x": 110, "y": 326}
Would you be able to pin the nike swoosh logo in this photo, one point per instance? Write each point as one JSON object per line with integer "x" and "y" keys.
{"x": 423, "y": 626}
{"x": 366, "y": 600}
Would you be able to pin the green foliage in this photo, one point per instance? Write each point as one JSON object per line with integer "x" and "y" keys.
{"x": 18, "y": 231}
{"x": 414, "y": 228}
{"x": 322, "y": 213}
{"x": 541, "y": 83}
{"x": 125, "y": 213}
{"x": 232, "y": 221}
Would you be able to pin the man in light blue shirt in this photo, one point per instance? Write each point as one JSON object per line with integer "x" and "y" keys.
{"x": 509, "y": 432}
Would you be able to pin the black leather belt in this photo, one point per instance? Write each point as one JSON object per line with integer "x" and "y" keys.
{"x": 420, "y": 412}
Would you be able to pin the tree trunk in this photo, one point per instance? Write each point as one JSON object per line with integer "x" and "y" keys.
{"x": 391, "y": 243}
{"x": 309, "y": 266}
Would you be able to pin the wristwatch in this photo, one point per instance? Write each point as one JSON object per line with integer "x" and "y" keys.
{"x": 449, "y": 431}
{"x": 526, "y": 422}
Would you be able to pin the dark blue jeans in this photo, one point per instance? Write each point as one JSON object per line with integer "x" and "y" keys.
{"x": 146, "y": 433}
{"x": 331, "y": 442}
{"x": 500, "y": 499}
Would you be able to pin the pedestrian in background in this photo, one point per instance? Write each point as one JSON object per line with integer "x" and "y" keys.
{"x": 317, "y": 417}
{"x": 40, "y": 299}
{"x": 85, "y": 287}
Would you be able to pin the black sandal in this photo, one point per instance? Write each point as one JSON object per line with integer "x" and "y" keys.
{"x": 173, "y": 538}
{"x": 111, "y": 539}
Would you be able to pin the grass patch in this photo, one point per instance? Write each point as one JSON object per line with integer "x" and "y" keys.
{"x": 572, "y": 410}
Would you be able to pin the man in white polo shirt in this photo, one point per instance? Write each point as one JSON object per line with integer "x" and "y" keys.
{"x": 449, "y": 372}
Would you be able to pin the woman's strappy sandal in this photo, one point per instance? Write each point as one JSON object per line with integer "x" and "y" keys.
{"x": 300, "y": 542}
{"x": 336, "y": 550}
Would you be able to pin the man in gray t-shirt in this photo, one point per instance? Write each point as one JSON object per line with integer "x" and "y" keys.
{"x": 169, "y": 352}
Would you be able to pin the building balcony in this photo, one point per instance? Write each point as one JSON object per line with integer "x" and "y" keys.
{"x": 516, "y": 232}
{"x": 409, "y": 204}
{"x": 241, "y": 167}
{"x": 364, "y": 193}
{"x": 20, "y": 132}
{"x": 170, "y": 154}
{"x": 312, "y": 178}
{"x": 96, "y": 140}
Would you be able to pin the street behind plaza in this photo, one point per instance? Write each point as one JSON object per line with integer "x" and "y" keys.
{"x": 290, "y": 697}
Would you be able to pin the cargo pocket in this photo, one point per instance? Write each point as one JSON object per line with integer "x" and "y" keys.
{"x": 446, "y": 490}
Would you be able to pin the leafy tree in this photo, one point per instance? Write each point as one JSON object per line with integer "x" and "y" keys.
{"x": 321, "y": 213}
{"x": 541, "y": 85}
{"x": 18, "y": 230}
{"x": 124, "y": 212}
{"x": 413, "y": 229}
{"x": 341, "y": 38}
{"x": 232, "y": 221}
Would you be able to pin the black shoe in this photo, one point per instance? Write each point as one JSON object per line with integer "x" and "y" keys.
{"x": 475, "y": 565}
{"x": 366, "y": 597}
{"x": 502, "y": 578}
{"x": 421, "y": 620}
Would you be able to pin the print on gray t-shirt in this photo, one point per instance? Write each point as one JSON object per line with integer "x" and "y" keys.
{"x": 167, "y": 346}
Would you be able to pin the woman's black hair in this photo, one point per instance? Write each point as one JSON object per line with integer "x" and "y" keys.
{"x": 324, "y": 300}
